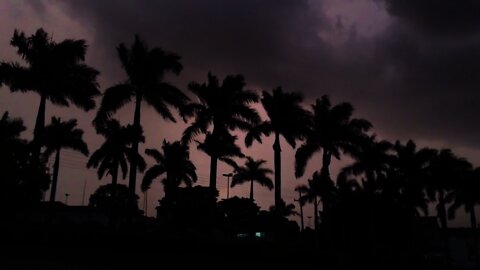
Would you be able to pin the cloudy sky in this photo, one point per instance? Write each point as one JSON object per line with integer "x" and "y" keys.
{"x": 408, "y": 66}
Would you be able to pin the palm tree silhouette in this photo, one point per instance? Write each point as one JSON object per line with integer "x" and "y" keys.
{"x": 224, "y": 149}
{"x": 332, "y": 130}
{"x": 253, "y": 171}
{"x": 287, "y": 118}
{"x": 286, "y": 210}
{"x": 371, "y": 160}
{"x": 57, "y": 135}
{"x": 55, "y": 71}
{"x": 116, "y": 151}
{"x": 145, "y": 69}
{"x": 10, "y": 130}
{"x": 409, "y": 167}
{"x": 318, "y": 187}
{"x": 444, "y": 169}
{"x": 466, "y": 193}
{"x": 175, "y": 163}
{"x": 223, "y": 108}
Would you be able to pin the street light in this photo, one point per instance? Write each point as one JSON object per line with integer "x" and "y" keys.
{"x": 228, "y": 175}
{"x": 66, "y": 198}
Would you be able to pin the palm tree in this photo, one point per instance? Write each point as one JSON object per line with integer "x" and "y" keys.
{"x": 288, "y": 119}
{"x": 175, "y": 163}
{"x": 318, "y": 187}
{"x": 466, "y": 193}
{"x": 55, "y": 71}
{"x": 146, "y": 69}
{"x": 253, "y": 171}
{"x": 58, "y": 135}
{"x": 222, "y": 108}
{"x": 445, "y": 168}
{"x": 332, "y": 131}
{"x": 10, "y": 130}
{"x": 286, "y": 210}
{"x": 371, "y": 160}
{"x": 224, "y": 149}
{"x": 409, "y": 167}
{"x": 116, "y": 151}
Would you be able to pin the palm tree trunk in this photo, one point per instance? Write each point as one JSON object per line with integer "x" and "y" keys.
{"x": 213, "y": 172}
{"x": 251, "y": 189}
{"x": 301, "y": 210}
{"x": 56, "y": 165}
{"x": 325, "y": 174}
{"x": 132, "y": 183}
{"x": 315, "y": 214}
{"x": 473, "y": 222}
{"x": 326, "y": 160}
{"x": 38, "y": 130}
{"x": 115, "y": 174}
{"x": 278, "y": 172}
{"x": 442, "y": 212}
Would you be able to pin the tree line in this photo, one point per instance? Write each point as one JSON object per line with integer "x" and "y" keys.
{"x": 398, "y": 173}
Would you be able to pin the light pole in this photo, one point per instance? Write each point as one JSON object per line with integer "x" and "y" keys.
{"x": 66, "y": 198}
{"x": 228, "y": 175}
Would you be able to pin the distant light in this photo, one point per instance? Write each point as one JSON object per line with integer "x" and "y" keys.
{"x": 259, "y": 234}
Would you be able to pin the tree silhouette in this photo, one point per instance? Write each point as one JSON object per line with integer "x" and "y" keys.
{"x": 287, "y": 118}
{"x": 318, "y": 187}
{"x": 22, "y": 182}
{"x": 223, "y": 149}
{"x": 371, "y": 160}
{"x": 332, "y": 131}
{"x": 286, "y": 210}
{"x": 57, "y": 135}
{"x": 223, "y": 108}
{"x": 410, "y": 170}
{"x": 55, "y": 71}
{"x": 445, "y": 168}
{"x": 466, "y": 193}
{"x": 253, "y": 171}
{"x": 175, "y": 163}
{"x": 146, "y": 69}
{"x": 116, "y": 151}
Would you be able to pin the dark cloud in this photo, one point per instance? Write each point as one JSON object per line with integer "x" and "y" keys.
{"x": 417, "y": 78}
{"x": 439, "y": 16}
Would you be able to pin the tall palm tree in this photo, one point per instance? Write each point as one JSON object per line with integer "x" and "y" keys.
{"x": 444, "y": 170}
{"x": 466, "y": 193}
{"x": 57, "y": 135}
{"x": 318, "y": 187}
{"x": 55, "y": 71}
{"x": 288, "y": 119}
{"x": 253, "y": 171}
{"x": 175, "y": 163}
{"x": 409, "y": 167}
{"x": 146, "y": 69}
{"x": 116, "y": 151}
{"x": 221, "y": 108}
{"x": 333, "y": 130}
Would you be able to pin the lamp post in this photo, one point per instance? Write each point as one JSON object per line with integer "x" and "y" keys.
{"x": 228, "y": 175}
{"x": 66, "y": 198}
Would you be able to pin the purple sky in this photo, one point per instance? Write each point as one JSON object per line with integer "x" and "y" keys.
{"x": 410, "y": 67}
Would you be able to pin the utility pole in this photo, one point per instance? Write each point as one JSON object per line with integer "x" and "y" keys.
{"x": 66, "y": 198}
{"x": 84, "y": 188}
{"x": 228, "y": 175}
